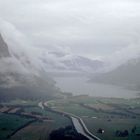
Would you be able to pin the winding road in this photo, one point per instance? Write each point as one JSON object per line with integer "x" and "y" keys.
{"x": 77, "y": 122}
{"x": 40, "y": 104}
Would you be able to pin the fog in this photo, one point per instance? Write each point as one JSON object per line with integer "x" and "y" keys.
{"x": 81, "y": 86}
{"x": 107, "y": 30}
{"x": 69, "y": 69}
{"x": 67, "y": 38}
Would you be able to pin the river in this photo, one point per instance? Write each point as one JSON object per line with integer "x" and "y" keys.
{"x": 79, "y": 85}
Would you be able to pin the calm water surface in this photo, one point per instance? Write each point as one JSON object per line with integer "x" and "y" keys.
{"x": 79, "y": 85}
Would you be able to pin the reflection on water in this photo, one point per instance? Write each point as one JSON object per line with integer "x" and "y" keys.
{"x": 79, "y": 85}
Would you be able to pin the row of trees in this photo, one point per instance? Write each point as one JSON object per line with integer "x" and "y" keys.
{"x": 119, "y": 133}
{"x": 67, "y": 133}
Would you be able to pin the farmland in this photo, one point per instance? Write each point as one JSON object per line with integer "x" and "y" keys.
{"x": 9, "y": 124}
{"x": 14, "y": 117}
{"x": 35, "y": 131}
{"x": 108, "y": 114}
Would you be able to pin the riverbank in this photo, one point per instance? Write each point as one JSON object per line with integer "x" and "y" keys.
{"x": 107, "y": 114}
{"x": 77, "y": 122}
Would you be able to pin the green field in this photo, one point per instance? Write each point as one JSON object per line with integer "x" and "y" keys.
{"x": 21, "y": 102}
{"x": 59, "y": 120}
{"x": 120, "y": 117}
{"x": 9, "y": 123}
{"x": 110, "y": 114}
{"x": 110, "y": 127}
{"x": 36, "y": 130}
{"x": 41, "y": 130}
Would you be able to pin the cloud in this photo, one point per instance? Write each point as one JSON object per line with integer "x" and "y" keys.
{"x": 13, "y": 36}
{"x": 23, "y": 66}
{"x": 27, "y": 59}
{"x": 20, "y": 50}
{"x": 91, "y": 28}
{"x": 132, "y": 51}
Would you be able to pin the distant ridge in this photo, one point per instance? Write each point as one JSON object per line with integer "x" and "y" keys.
{"x": 125, "y": 75}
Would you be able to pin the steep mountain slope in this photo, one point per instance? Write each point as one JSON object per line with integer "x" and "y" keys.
{"x": 125, "y": 75}
{"x": 20, "y": 77}
{"x": 4, "y": 52}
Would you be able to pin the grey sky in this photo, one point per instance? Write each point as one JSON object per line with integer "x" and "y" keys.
{"x": 93, "y": 28}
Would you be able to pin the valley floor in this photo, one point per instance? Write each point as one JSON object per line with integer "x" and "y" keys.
{"x": 106, "y": 118}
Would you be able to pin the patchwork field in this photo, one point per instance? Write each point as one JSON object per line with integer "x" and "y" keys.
{"x": 110, "y": 127}
{"x": 108, "y": 114}
{"x": 111, "y": 115}
{"x": 35, "y": 131}
{"x": 14, "y": 116}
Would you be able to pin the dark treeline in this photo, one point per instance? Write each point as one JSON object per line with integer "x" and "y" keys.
{"x": 67, "y": 133}
{"x": 22, "y": 93}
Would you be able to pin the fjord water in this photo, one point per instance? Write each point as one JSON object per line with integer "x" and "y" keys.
{"x": 79, "y": 86}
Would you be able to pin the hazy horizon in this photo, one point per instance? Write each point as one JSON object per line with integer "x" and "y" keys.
{"x": 69, "y": 69}
{"x": 104, "y": 30}
{"x": 70, "y": 38}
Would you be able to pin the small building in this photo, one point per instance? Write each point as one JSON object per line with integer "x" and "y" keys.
{"x": 100, "y": 130}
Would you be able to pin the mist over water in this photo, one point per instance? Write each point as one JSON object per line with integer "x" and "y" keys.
{"x": 79, "y": 86}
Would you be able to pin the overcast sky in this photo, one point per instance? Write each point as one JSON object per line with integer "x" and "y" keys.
{"x": 92, "y": 28}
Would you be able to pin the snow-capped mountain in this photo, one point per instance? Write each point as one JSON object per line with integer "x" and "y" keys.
{"x": 66, "y": 62}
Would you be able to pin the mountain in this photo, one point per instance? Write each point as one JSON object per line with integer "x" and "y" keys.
{"x": 69, "y": 63}
{"x": 21, "y": 76}
{"x": 4, "y": 52}
{"x": 24, "y": 70}
{"x": 125, "y": 75}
